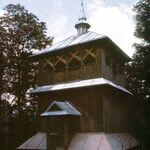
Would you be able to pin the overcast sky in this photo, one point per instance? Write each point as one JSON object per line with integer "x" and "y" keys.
{"x": 113, "y": 18}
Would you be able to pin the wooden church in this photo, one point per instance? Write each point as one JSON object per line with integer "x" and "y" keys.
{"x": 82, "y": 99}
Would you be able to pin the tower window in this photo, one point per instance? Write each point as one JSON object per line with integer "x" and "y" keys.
{"x": 89, "y": 60}
{"x": 74, "y": 64}
{"x": 48, "y": 74}
{"x": 60, "y": 67}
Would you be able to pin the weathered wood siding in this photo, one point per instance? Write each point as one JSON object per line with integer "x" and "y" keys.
{"x": 78, "y": 63}
{"x": 88, "y": 101}
{"x": 81, "y": 62}
{"x": 102, "y": 108}
{"x": 113, "y": 66}
{"x": 116, "y": 111}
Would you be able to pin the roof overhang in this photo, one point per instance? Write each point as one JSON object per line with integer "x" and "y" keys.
{"x": 79, "y": 84}
{"x": 114, "y": 46}
{"x": 89, "y": 37}
{"x": 70, "y": 42}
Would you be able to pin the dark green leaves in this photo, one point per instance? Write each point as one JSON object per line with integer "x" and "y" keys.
{"x": 139, "y": 68}
{"x": 20, "y": 33}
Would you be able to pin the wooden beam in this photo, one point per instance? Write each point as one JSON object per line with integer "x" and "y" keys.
{"x": 89, "y": 52}
{"x": 74, "y": 55}
{"x": 48, "y": 61}
{"x": 61, "y": 59}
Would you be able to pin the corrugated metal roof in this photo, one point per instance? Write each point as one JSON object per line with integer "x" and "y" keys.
{"x": 73, "y": 40}
{"x": 38, "y": 141}
{"x": 101, "y": 141}
{"x": 78, "y": 84}
{"x": 65, "y": 109}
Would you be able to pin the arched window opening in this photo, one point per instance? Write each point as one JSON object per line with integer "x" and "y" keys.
{"x": 74, "y": 64}
{"x": 47, "y": 68}
{"x": 60, "y": 67}
{"x": 89, "y": 60}
{"x": 48, "y": 74}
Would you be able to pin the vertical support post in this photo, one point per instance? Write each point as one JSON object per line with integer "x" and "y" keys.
{"x": 122, "y": 146}
{"x": 104, "y": 112}
{"x": 47, "y": 132}
{"x": 51, "y": 136}
{"x": 67, "y": 72}
{"x": 82, "y": 63}
{"x": 66, "y": 133}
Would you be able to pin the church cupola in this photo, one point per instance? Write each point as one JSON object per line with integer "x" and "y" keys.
{"x": 82, "y": 25}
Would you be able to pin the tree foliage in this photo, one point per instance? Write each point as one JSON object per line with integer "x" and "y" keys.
{"x": 139, "y": 70}
{"x": 20, "y": 33}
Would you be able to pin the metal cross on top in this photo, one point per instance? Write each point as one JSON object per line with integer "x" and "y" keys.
{"x": 82, "y": 15}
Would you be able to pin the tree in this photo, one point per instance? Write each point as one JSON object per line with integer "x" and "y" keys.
{"x": 22, "y": 32}
{"x": 3, "y": 104}
{"x": 138, "y": 71}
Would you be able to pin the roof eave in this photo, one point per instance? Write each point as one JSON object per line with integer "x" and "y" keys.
{"x": 119, "y": 49}
{"x": 66, "y": 86}
{"x": 64, "y": 48}
{"x": 127, "y": 58}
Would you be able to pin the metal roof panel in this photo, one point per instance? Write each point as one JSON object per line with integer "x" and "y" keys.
{"x": 65, "y": 109}
{"x": 37, "y": 142}
{"x": 101, "y": 141}
{"x": 54, "y": 113}
{"x": 73, "y": 40}
{"x": 79, "y": 84}
{"x": 86, "y": 141}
